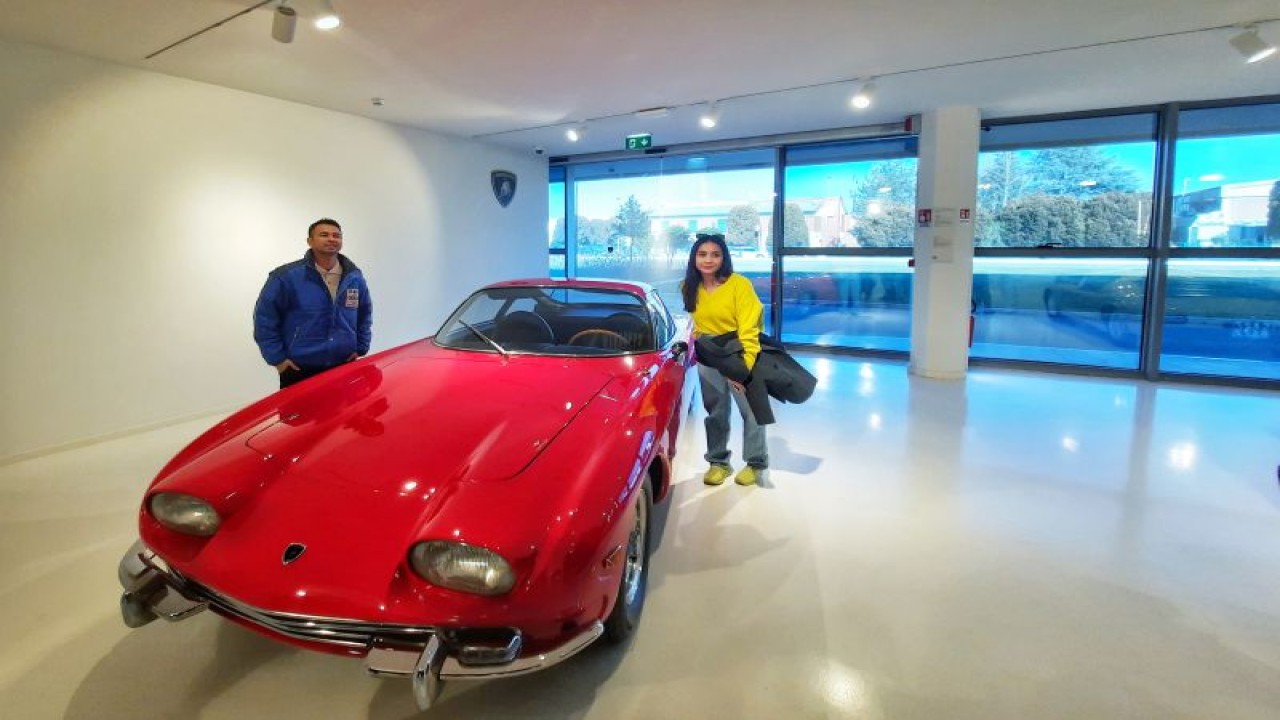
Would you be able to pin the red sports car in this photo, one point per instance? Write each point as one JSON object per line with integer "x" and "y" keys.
{"x": 471, "y": 505}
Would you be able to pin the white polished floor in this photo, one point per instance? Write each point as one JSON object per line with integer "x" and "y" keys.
{"x": 1011, "y": 546}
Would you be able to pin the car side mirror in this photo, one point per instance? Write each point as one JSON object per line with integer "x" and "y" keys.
{"x": 679, "y": 349}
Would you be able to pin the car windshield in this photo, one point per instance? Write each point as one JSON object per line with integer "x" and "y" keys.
{"x": 572, "y": 321}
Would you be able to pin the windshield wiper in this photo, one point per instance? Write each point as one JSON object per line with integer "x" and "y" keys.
{"x": 483, "y": 337}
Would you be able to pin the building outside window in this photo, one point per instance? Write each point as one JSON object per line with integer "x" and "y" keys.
{"x": 1220, "y": 309}
{"x": 1087, "y": 251}
{"x": 636, "y": 218}
{"x": 1062, "y": 240}
{"x": 557, "y": 246}
{"x": 848, "y": 229}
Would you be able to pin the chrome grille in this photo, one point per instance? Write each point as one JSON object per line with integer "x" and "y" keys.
{"x": 332, "y": 631}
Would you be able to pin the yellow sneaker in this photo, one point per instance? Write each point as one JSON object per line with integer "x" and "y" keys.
{"x": 716, "y": 474}
{"x": 748, "y": 475}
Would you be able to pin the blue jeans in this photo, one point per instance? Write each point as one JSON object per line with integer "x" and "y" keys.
{"x": 715, "y": 399}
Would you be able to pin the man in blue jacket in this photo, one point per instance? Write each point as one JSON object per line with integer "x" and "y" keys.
{"x": 315, "y": 313}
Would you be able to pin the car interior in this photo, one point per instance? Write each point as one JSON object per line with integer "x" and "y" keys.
{"x": 547, "y": 327}
{"x": 577, "y": 326}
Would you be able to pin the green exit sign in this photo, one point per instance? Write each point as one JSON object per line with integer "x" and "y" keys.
{"x": 643, "y": 141}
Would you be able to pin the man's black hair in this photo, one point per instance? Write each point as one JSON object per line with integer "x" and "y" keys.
{"x": 311, "y": 229}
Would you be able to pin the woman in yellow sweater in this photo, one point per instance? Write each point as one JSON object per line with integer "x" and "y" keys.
{"x": 721, "y": 301}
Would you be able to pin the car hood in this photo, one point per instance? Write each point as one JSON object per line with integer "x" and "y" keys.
{"x": 449, "y": 414}
{"x": 358, "y": 465}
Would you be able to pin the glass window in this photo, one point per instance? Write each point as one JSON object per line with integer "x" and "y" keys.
{"x": 845, "y": 206}
{"x": 549, "y": 321}
{"x": 859, "y": 194}
{"x": 1059, "y": 310}
{"x": 556, "y": 230}
{"x": 1070, "y": 267}
{"x": 1067, "y": 183}
{"x": 1220, "y": 310}
{"x": 555, "y": 265}
{"x": 1056, "y": 200}
{"x": 1226, "y": 181}
{"x": 637, "y": 218}
{"x": 847, "y": 301}
{"x": 662, "y": 320}
{"x": 1222, "y": 317}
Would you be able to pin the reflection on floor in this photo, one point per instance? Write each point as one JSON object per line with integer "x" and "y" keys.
{"x": 1011, "y": 546}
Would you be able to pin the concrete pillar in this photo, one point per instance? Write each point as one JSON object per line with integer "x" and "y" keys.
{"x": 946, "y": 196}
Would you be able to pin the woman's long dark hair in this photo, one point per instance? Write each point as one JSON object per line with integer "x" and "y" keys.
{"x": 693, "y": 278}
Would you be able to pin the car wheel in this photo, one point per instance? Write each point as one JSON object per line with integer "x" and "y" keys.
{"x": 1052, "y": 306}
{"x": 622, "y": 622}
{"x": 1119, "y": 327}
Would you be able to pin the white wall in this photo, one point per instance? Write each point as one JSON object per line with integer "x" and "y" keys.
{"x": 141, "y": 214}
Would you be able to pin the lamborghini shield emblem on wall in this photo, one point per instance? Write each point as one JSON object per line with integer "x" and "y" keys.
{"x": 293, "y": 552}
{"x": 504, "y": 186}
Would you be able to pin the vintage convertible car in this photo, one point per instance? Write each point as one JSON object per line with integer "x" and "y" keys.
{"x": 472, "y": 505}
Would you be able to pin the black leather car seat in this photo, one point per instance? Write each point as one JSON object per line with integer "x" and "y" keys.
{"x": 523, "y": 327}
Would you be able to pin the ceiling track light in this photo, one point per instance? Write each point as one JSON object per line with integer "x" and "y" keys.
{"x": 283, "y": 23}
{"x": 652, "y": 113}
{"x": 1251, "y": 46}
{"x": 863, "y": 98}
{"x": 710, "y": 116}
{"x": 327, "y": 18}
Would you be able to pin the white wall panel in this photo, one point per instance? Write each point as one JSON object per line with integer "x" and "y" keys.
{"x": 141, "y": 215}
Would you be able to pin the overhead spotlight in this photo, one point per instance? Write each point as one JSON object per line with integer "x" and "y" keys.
{"x": 327, "y": 18}
{"x": 863, "y": 97}
{"x": 283, "y": 22}
{"x": 575, "y": 133}
{"x": 1252, "y": 47}
{"x": 710, "y": 116}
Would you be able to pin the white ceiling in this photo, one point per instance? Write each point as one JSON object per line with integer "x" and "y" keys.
{"x": 517, "y": 72}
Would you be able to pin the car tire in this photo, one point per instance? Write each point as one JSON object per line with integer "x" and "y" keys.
{"x": 1119, "y": 327}
{"x": 1052, "y": 305}
{"x": 625, "y": 616}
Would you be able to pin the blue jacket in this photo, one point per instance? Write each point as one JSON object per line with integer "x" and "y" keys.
{"x": 296, "y": 320}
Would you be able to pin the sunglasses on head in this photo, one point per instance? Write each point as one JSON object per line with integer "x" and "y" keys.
{"x": 709, "y": 236}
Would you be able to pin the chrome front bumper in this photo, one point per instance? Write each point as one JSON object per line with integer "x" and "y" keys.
{"x": 430, "y": 667}
{"x": 152, "y": 589}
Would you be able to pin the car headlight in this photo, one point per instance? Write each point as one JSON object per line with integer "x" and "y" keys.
{"x": 463, "y": 567}
{"x": 184, "y": 513}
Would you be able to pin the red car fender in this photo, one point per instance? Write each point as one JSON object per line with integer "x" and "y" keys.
{"x": 595, "y": 468}
{"x": 582, "y": 554}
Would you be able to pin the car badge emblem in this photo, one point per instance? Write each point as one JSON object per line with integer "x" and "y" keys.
{"x": 293, "y": 552}
{"x": 504, "y": 186}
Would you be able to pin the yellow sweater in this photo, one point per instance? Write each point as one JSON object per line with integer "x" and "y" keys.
{"x": 732, "y": 306}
